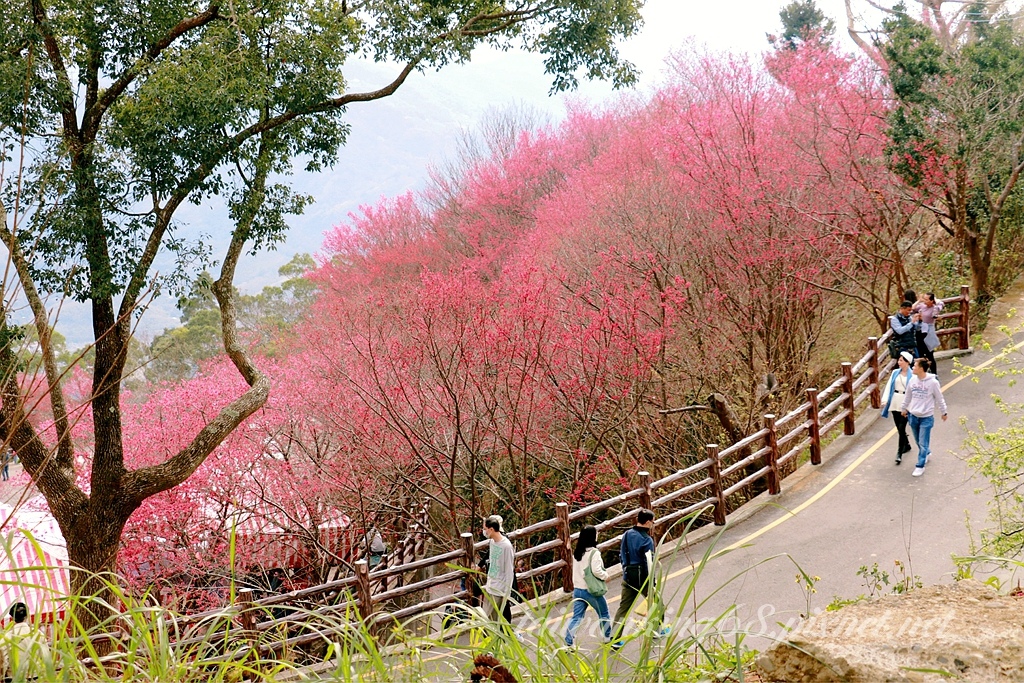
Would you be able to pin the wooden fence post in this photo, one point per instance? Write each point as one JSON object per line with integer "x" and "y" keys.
{"x": 716, "y": 484}
{"x": 849, "y": 422}
{"x": 469, "y": 562}
{"x": 772, "y": 458}
{"x": 645, "y": 495}
{"x": 564, "y": 550}
{"x": 246, "y": 613}
{"x": 965, "y": 311}
{"x": 814, "y": 426}
{"x": 363, "y": 589}
{"x": 876, "y": 389}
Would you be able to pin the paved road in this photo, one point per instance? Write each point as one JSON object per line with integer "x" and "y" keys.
{"x": 856, "y": 509}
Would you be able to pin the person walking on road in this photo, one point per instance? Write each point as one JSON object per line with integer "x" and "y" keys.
{"x": 636, "y": 553}
{"x": 501, "y": 568}
{"x": 893, "y": 397}
{"x": 588, "y": 580}
{"x": 924, "y": 395}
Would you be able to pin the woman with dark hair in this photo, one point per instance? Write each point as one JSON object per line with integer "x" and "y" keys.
{"x": 588, "y": 577}
{"x": 927, "y": 337}
{"x": 28, "y": 656}
{"x": 893, "y": 395}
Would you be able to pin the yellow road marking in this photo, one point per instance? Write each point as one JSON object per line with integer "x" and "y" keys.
{"x": 828, "y": 487}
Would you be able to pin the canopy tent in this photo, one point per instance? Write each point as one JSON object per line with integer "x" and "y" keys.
{"x": 269, "y": 543}
{"x": 34, "y": 566}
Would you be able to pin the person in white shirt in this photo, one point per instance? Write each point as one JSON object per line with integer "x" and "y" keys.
{"x": 28, "y": 656}
{"x": 587, "y": 557}
{"x": 501, "y": 568}
{"x": 924, "y": 395}
{"x": 893, "y": 397}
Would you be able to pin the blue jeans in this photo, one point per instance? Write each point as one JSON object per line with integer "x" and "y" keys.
{"x": 581, "y": 599}
{"x": 921, "y": 428}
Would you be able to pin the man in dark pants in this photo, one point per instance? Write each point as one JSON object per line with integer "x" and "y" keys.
{"x": 635, "y": 554}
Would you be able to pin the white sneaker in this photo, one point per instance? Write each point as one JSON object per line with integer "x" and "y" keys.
{"x": 928, "y": 459}
{"x": 918, "y": 471}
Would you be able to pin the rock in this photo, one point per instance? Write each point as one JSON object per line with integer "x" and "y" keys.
{"x": 963, "y": 631}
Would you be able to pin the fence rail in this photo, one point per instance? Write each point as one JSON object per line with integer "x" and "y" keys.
{"x": 707, "y": 482}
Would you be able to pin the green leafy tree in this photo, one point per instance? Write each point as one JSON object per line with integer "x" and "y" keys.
{"x": 998, "y": 454}
{"x": 802, "y": 21}
{"x": 957, "y": 130}
{"x": 128, "y": 110}
{"x": 177, "y": 353}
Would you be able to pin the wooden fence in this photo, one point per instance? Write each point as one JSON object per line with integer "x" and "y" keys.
{"x": 721, "y": 477}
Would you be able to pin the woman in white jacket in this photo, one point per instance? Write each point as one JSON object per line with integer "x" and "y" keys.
{"x": 587, "y": 556}
{"x": 892, "y": 400}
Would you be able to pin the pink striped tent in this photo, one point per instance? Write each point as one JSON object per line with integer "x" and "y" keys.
{"x": 263, "y": 540}
{"x": 34, "y": 566}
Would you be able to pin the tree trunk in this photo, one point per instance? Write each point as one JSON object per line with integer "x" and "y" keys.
{"x": 93, "y": 542}
{"x": 979, "y": 267}
{"x": 730, "y": 423}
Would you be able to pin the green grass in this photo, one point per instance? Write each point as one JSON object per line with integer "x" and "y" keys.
{"x": 148, "y": 646}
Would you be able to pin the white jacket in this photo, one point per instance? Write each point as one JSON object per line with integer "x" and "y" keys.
{"x": 596, "y": 566}
{"x": 923, "y": 396}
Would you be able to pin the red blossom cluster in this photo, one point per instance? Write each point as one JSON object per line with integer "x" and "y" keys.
{"x": 508, "y": 339}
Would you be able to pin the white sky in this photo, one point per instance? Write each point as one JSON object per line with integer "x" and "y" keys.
{"x": 394, "y": 141}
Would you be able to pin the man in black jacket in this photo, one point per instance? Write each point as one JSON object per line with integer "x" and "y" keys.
{"x": 905, "y": 325}
{"x": 635, "y": 554}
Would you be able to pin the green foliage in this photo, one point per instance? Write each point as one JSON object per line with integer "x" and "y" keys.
{"x": 347, "y": 649}
{"x": 802, "y": 20}
{"x": 953, "y": 134}
{"x": 173, "y": 100}
{"x": 839, "y": 602}
{"x": 874, "y": 579}
{"x": 878, "y": 582}
{"x": 177, "y": 353}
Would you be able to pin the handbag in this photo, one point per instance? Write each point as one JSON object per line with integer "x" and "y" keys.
{"x": 931, "y": 340}
{"x": 894, "y": 349}
{"x": 595, "y": 586}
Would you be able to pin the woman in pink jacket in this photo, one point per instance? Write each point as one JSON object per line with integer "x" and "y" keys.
{"x": 927, "y": 340}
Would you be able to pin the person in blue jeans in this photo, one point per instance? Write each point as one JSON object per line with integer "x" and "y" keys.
{"x": 587, "y": 555}
{"x": 924, "y": 395}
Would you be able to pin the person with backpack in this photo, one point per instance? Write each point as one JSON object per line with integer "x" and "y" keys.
{"x": 636, "y": 553}
{"x": 905, "y": 325}
{"x": 589, "y": 587}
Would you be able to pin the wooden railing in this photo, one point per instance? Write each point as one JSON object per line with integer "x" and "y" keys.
{"x": 720, "y": 478}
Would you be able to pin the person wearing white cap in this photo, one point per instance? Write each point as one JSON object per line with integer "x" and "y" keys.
{"x": 892, "y": 400}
